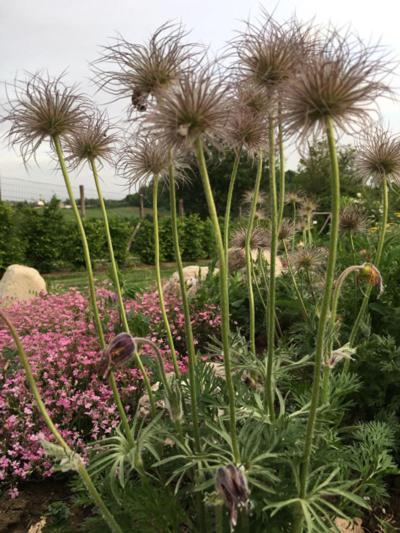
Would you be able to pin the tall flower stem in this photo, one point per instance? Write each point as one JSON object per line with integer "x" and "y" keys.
{"x": 158, "y": 278}
{"x": 114, "y": 267}
{"x": 224, "y": 292}
{"x": 281, "y": 174}
{"x": 229, "y": 201}
{"x": 378, "y": 257}
{"x": 324, "y": 312}
{"x": 85, "y": 477}
{"x": 186, "y": 310}
{"x": 117, "y": 286}
{"x": 249, "y": 259}
{"x": 92, "y": 289}
{"x": 268, "y": 393}
{"x": 295, "y": 286}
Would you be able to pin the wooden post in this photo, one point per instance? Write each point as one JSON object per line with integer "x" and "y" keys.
{"x": 141, "y": 205}
{"x": 82, "y": 205}
{"x": 181, "y": 208}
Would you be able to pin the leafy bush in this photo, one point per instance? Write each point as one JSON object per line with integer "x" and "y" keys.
{"x": 196, "y": 239}
{"x": 12, "y": 247}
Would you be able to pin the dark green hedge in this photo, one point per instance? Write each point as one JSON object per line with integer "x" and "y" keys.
{"x": 195, "y": 235}
{"x": 44, "y": 239}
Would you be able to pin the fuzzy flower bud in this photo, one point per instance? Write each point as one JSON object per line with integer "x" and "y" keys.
{"x": 231, "y": 484}
{"x": 118, "y": 353}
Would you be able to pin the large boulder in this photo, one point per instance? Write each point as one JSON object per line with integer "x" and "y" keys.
{"x": 193, "y": 276}
{"x": 20, "y": 283}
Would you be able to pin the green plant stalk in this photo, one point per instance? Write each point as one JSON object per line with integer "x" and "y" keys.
{"x": 295, "y": 286}
{"x": 158, "y": 278}
{"x": 248, "y": 256}
{"x": 281, "y": 174}
{"x": 224, "y": 292}
{"x": 324, "y": 313}
{"x": 114, "y": 267}
{"x": 94, "y": 494}
{"x": 268, "y": 393}
{"x": 186, "y": 310}
{"x": 229, "y": 201}
{"x": 335, "y": 300}
{"x": 121, "y": 305}
{"x": 378, "y": 257}
{"x": 92, "y": 289}
{"x": 294, "y": 224}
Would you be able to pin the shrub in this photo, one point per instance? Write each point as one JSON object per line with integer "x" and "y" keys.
{"x": 11, "y": 246}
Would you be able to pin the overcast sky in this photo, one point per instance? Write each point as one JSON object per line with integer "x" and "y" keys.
{"x": 54, "y": 35}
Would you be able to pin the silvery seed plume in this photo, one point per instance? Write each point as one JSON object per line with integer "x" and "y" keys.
{"x": 259, "y": 238}
{"x": 378, "y": 157}
{"x": 271, "y": 53}
{"x": 193, "y": 108}
{"x": 142, "y": 70}
{"x": 352, "y": 219}
{"x": 286, "y": 230}
{"x": 143, "y": 157}
{"x": 341, "y": 81}
{"x": 249, "y": 195}
{"x": 292, "y": 197}
{"x": 94, "y": 141}
{"x": 309, "y": 258}
{"x": 40, "y": 109}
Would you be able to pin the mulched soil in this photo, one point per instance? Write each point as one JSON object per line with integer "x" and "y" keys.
{"x": 18, "y": 515}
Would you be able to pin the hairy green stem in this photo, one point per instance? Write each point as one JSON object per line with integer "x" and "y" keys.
{"x": 229, "y": 201}
{"x": 114, "y": 267}
{"x": 378, "y": 257}
{"x": 92, "y": 289}
{"x": 186, "y": 310}
{"x": 248, "y": 256}
{"x": 269, "y": 393}
{"x": 325, "y": 307}
{"x": 281, "y": 174}
{"x": 85, "y": 246}
{"x": 94, "y": 494}
{"x": 224, "y": 292}
{"x": 121, "y": 305}
{"x": 158, "y": 278}
{"x": 295, "y": 286}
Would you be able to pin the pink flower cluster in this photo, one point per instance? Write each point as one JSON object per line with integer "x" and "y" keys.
{"x": 60, "y": 341}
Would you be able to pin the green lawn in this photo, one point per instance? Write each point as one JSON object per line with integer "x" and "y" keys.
{"x": 141, "y": 276}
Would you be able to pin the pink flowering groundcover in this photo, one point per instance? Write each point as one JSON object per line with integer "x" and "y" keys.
{"x": 60, "y": 341}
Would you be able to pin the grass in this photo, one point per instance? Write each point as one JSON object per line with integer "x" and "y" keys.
{"x": 137, "y": 277}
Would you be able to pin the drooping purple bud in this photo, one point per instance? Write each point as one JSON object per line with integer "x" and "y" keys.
{"x": 231, "y": 484}
{"x": 118, "y": 353}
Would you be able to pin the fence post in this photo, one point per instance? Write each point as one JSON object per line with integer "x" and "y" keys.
{"x": 82, "y": 204}
{"x": 141, "y": 205}
{"x": 181, "y": 208}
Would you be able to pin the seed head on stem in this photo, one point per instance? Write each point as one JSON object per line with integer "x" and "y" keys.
{"x": 42, "y": 108}
{"x": 140, "y": 71}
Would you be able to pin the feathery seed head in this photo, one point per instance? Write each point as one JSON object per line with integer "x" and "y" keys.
{"x": 310, "y": 258}
{"x": 341, "y": 81}
{"x": 94, "y": 141}
{"x": 195, "y": 107}
{"x": 271, "y": 53}
{"x": 144, "y": 157}
{"x": 144, "y": 70}
{"x": 378, "y": 157}
{"x": 287, "y": 230}
{"x": 352, "y": 219}
{"x": 259, "y": 238}
{"x": 43, "y": 108}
